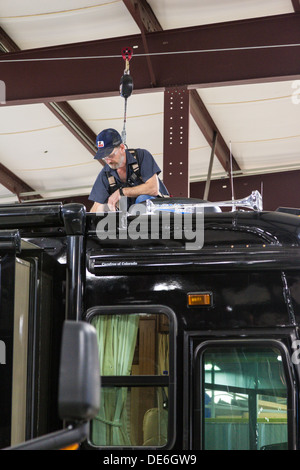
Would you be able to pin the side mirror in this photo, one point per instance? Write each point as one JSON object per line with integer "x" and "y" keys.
{"x": 79, "y": 388}
{"x": 79, "y": 380}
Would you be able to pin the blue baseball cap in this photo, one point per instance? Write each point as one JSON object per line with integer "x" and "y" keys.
{"x": 106, "y": 141}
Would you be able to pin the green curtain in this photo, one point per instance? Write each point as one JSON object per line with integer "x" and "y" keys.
{"x": 117, "y": 339}
{"x": 163, "y": 356}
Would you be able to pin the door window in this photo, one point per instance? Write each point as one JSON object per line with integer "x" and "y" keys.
{"x": 245, "y": 400}
{"x": 136, "y": 354}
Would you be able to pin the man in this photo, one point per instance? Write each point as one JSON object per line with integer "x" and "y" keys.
{"x": 124, "y": 174}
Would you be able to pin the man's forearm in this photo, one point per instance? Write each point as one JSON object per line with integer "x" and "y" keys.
{"x": 151, "y": 187}
{"x": 97, "y": 207}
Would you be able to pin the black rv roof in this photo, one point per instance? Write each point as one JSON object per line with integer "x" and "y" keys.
{"x": 222, "y": 228}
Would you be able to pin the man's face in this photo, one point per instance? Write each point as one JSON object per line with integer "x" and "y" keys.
{"x": 117, "y": 158}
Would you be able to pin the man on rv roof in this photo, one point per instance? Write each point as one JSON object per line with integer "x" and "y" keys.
{"x": 130, "y": 173}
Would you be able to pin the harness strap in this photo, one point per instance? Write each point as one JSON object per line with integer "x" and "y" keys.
{"x": 134, "y": 177}
{"x": 113, "y": 186}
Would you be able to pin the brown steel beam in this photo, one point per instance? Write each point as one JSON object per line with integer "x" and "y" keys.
{"x": 176, "y": 141}
{"x": 144, "y": 17}
{"x": 63, "y": 111}
{"x": 296, "y": 5}
{"x": 146, "y": 20}
{"x": 250, "y": 58}
{"x": 6, "y": 43}
{"x": 176, "y": 110}
{"x": 15, "y": 185}
{"x": 208, "y": 129}
{"x": 73, "y": 122}
{"x": 7, "y": 178}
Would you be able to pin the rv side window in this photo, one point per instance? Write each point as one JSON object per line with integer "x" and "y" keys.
{"x": 134, "y": 355}
{"x": 245, "y": 398}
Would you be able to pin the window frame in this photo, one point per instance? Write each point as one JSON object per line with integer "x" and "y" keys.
{"x": 198, "y": 408}
{"x": 144, "y": 380}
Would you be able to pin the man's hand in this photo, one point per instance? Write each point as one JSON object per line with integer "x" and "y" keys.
{"x": 151, "y": 187}
{"x": 113, "y": 200}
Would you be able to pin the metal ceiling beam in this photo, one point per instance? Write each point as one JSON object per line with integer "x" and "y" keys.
{"x": 208, "y": 129}
{"x": 296, "y": 5}
{"x": 73, "y": 122}
{"x": 7, "y": 178}
{"x": 63, "y": 111}
{"x": 6, "y": 43}
{"x": 50, "y": 73}
{"x": 15, "y": 185}
{"x": 147, "y": 21}
{"x": 176, "y": 141}
{"x": 144, "y": 17}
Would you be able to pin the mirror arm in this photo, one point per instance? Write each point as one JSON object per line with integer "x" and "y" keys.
{"x": 57, "y": 440}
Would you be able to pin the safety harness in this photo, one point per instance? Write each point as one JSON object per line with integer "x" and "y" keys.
{"x": 133, "y": 180}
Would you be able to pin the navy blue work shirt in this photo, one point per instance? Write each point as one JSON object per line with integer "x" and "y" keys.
{"x": 147, "y": 165}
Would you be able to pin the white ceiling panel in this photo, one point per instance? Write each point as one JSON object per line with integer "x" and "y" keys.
{"x": 261, "y": 122}
{"x": 41, "y": 151}
{"x": 180, "y": 14}
{"x": 200, "y": 154}
{"x": 144, "y": 123}
{"x": 37, "y": 23}
{"x": 6, "y": 197}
